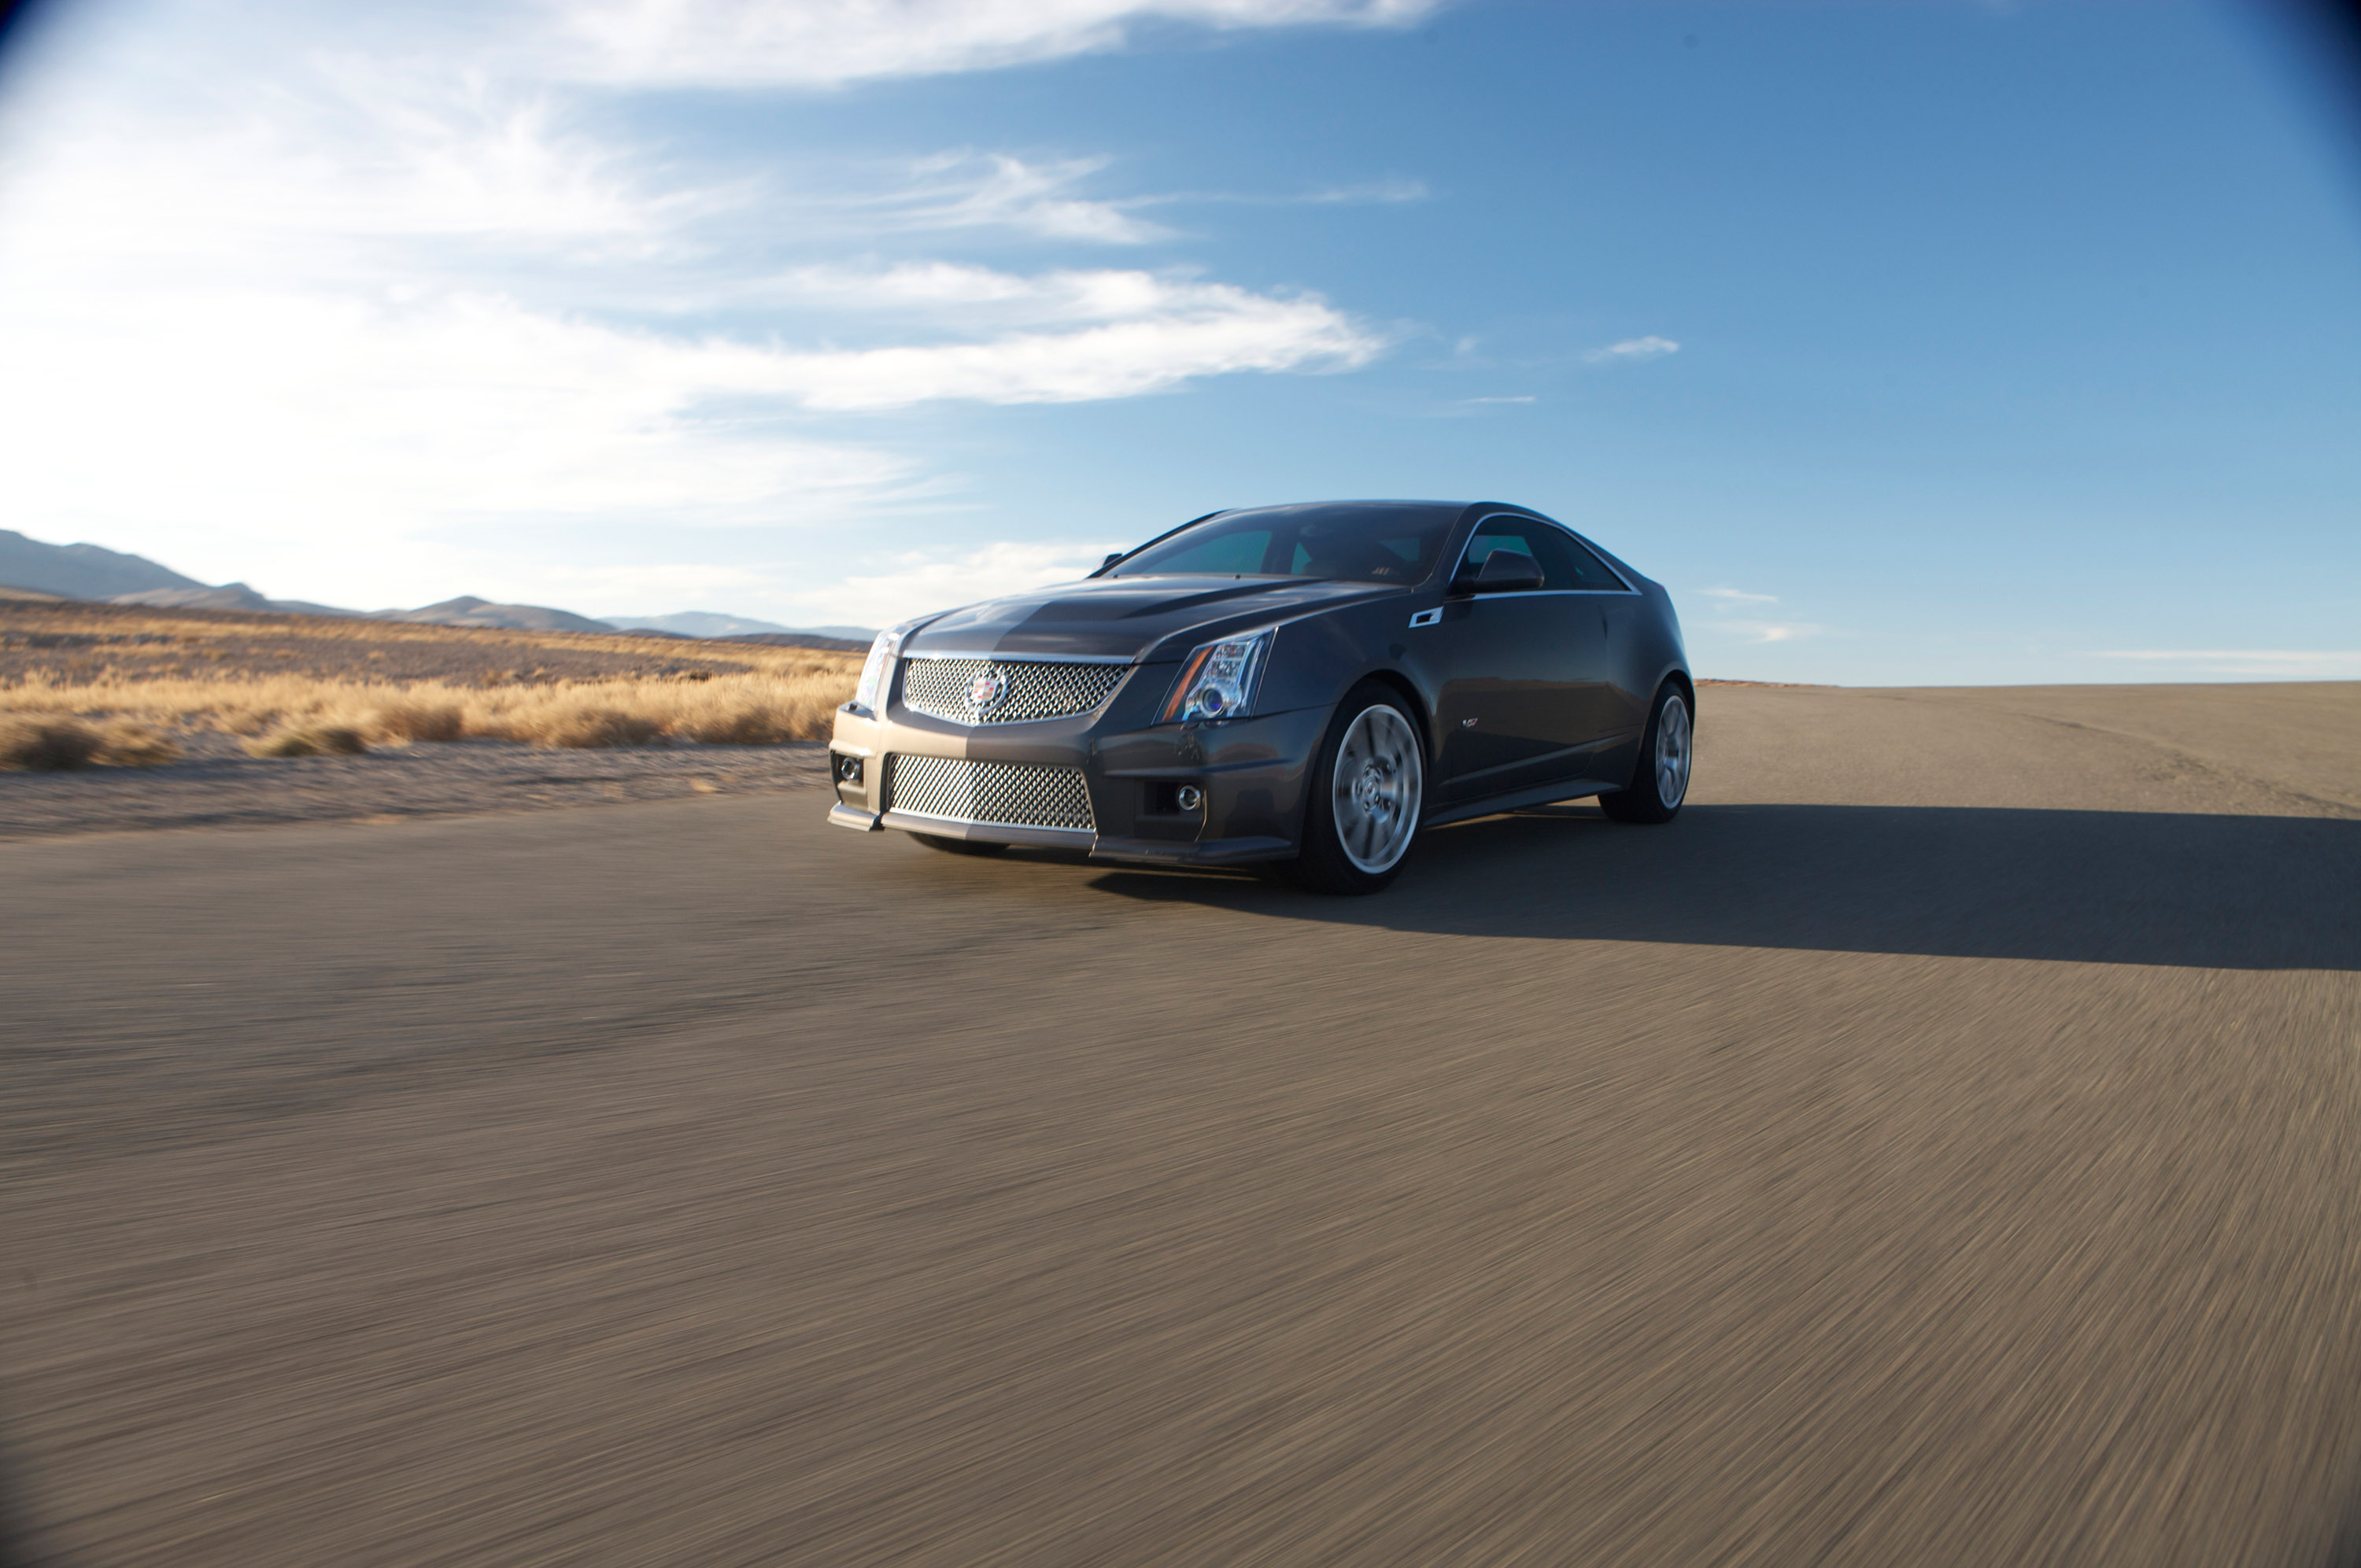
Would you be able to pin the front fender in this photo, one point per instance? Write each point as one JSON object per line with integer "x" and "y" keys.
{"x": 1315, "y": 660}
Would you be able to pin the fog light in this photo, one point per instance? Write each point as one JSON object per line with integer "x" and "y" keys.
{"x": 847, "y": 769}
{"x": 1188, "y": 797}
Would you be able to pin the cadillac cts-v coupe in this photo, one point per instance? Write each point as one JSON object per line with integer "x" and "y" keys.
{"x": 1308, "y": 685}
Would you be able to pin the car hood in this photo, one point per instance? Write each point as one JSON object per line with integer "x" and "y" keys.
{"x": 1131, "y": 617}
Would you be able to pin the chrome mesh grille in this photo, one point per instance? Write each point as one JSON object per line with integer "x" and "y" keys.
{"x": 1032, "y": 689}
{"x": 1004, "y": 795}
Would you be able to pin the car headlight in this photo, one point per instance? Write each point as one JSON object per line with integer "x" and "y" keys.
{"x": 1219, "y": 679}
{"x": 877, "y": 674}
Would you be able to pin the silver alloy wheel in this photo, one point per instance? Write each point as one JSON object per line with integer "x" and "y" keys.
{"x": 1377, "y": 785}
{"x": 1672, "y": 752}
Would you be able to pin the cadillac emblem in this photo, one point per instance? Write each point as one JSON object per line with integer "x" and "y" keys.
{"x": 984, "y": 692}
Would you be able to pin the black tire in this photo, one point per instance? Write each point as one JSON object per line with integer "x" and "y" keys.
{"x": 958, "y": 846}
{"x": 1376, "y": 719}
{"x": 1656, "y": 774}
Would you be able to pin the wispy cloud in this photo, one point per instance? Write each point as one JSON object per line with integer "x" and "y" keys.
{"x": 973, "y": 294}
{"x": 1632, "y": 350}
{"x": 1190, "y": 331}
{"x": 831, "y": 43}
{"x": 1381, "y": 191}
{"x": 1527, "y": 398}
{"x": 978, "y": 190}
{"x": 1132, "y": 333}
{"x": 1744, "y": 625}
{"x": 915, "y": 583}
{"x": 1764, "y": 631}
{"x": 2282, "y": 663}
{"x": 1374, "y": 192}
{"x": 389, "y": 311}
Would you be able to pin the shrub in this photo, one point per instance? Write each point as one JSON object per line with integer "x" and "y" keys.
{"x": 46, "y": 742}
{"x": 125, "y": 743}
{"x": 753, "y": 725}
{"x": 588, "y": 725}
{"x": 408, "y": 719}
{"x": 310, "y": 739}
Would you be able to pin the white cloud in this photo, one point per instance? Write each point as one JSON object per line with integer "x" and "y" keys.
{"x": 283, "y": 418}
{"x": 968, "y": 190}
{"x": 969, "y": 294}
{"x": 1632, "y": 350}
{"x": 828, "y": 43}
{"x": 1248, "y": 333}
{"x": 1155, "y": 332}
{"x": 1763, "y": 630}
{"x": 1382, "y": 192}
{"x": 315, "y": 432}
{"x": 2278, "y": 662}
{"x": 327, "y": 343}
{"x": 916, "y": 583}
{"x": 1730, "y": 598}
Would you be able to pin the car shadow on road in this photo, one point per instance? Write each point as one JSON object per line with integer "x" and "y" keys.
{"x": 2263, "y": 893}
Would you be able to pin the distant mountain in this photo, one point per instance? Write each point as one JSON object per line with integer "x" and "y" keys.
{"x": 803, "y": 640}
{"x": 81, "y": 571}
{"x": 707, "y": 623}
{"x": 91, "y": 572}
{"x": 693, "y": 623}
{"x": 229, "y": 595}
{"x": 469, "y": 611}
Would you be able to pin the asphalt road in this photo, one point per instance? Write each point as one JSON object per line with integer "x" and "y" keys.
{"x": 1939, "y": 1146}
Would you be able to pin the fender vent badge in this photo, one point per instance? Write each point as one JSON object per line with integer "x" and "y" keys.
{"x": 1426, "y": 618}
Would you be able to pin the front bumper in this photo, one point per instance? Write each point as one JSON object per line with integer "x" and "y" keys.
{"x": 1251, "y": 775}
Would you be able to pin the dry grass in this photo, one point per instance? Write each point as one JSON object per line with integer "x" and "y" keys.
{"x": 355, "y": 685}
{"x": 409, "y": 716}
{"x": 51, "y": 743}
{"x": 276, "y": 711}
{"x": 128, "y": 743}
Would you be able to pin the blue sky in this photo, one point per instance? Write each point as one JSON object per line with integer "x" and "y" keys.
{"x": 1908, "y": 343}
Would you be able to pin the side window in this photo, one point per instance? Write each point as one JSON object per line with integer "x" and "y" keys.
{"x": 1496, "y": 534}
{"x": 1584, "y": 569}
{"x": 1565, "y": 563}
{"x": 1554, "y": 551}
{"x": 1223, "y": 556}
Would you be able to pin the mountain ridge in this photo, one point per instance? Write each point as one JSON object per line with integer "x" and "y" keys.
{"x": 93, "y": 572}
{"x": 81, "y": 571}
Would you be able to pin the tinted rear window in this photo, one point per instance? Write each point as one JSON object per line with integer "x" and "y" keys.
{"x": 1389, "y": 545}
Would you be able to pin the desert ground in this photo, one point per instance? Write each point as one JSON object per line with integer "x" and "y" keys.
{"x": 1938, "y": 1146}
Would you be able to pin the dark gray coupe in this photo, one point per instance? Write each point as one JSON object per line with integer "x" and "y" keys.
{"x": 1307, "y": 685}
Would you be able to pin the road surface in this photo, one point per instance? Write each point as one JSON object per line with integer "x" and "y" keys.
{"x": 1938, "y": 1146}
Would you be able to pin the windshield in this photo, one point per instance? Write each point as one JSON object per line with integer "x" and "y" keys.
{"x": 1363, "y": 543}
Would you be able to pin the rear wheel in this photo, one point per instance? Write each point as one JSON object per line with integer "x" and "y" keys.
{"x": 958, "y": 846}
{"x": 1660, "y": 779}
{"x": 1367, "y": 791}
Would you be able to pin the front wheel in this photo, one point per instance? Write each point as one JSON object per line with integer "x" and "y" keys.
{"x": 1367, "y": 791}
{"x": 1660, "y": 779}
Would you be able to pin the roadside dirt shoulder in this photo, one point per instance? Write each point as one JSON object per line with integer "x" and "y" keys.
{"x": 217, "y": 785}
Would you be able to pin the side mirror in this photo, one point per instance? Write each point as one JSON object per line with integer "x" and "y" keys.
{"x": 1111, "y": 561}
{"x": 1503, "y": 572}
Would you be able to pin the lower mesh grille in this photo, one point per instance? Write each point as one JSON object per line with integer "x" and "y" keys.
{"x": 1001, "y": 795}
